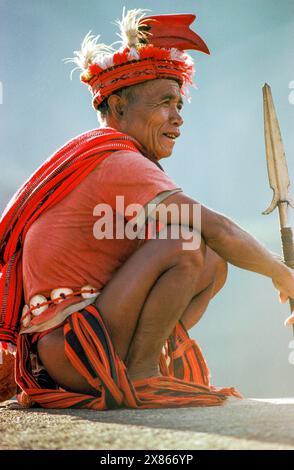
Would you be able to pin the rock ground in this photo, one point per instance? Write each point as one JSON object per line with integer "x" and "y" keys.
{"x": 239, "y": 424}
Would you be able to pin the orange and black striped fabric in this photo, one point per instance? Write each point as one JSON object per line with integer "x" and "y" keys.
{"x": 184, "y": 380}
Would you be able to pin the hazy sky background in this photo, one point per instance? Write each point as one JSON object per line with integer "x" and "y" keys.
{"x": 219, "y": 160}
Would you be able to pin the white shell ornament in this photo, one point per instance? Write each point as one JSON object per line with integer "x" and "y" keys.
{"x": 27, "y": 319}
{"x": 89, "y": 295}
{"x": 60, "y": 293}
{"x": 35, "y": 301}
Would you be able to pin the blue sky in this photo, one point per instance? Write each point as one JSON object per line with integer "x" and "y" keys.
{"x": 219, "y": 160}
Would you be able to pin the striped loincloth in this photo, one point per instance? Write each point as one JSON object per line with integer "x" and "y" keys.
{"x": 88, "y": 346}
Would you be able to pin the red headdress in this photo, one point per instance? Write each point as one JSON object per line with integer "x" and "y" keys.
{"x": 152, "y": 47}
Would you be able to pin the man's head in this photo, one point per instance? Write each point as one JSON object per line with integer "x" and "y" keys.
{"x": 149, "y": 112}
{"x": 137, "y": 88}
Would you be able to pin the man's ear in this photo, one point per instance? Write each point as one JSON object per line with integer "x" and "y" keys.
{"x": 116, "y": 106}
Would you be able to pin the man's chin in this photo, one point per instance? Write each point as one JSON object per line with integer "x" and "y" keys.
{"x": 161, "y": 152}
{"x": 164, "y": 155}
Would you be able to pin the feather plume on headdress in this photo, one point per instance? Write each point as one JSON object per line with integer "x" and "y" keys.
{"x": 131, "y": 27}
{"x": 100, "y": 54}
{"x": 91, "y": 52}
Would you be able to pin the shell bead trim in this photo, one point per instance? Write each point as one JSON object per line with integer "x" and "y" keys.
{"x": 39, "y": 303}
{"x": 59, "y": 294}
{"x": 26, "y": 316}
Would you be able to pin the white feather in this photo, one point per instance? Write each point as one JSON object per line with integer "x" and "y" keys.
{"x": 129, "y": 27}
{"x": 176, "y": 54}
{"x": 104, "y": 61}
{"x": 90, "y": 52}
{"x": 133, "y": 54}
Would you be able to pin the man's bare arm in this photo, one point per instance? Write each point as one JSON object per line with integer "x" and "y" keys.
{"x": 234, "y": 244}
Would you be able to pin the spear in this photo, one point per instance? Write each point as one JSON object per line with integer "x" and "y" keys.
{"x": 278, "y": 177}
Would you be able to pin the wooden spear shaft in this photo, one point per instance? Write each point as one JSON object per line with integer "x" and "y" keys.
{"x": 278, "y": 178}
{"x": 287, "y": 242}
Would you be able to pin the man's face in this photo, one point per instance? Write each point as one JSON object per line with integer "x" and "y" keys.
{"x": 153, "y": 116}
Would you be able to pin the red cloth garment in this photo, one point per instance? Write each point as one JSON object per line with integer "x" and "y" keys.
{"x": 88, "y": 346}
{"x": 60, "y": 249}
{"x": 55, "y": 179}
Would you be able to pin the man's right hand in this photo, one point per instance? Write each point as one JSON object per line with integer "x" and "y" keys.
{"x": 284, "y": 283}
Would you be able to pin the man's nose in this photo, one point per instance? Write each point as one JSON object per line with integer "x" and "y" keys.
{"x": 176, "y": 118}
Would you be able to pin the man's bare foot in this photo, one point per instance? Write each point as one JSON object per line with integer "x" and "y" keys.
{"x": 138, "y": 374}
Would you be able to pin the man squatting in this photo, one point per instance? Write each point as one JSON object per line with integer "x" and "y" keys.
{"x": 101, "y": 323}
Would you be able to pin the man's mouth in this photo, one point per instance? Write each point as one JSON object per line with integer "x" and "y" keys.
{"x": 171, "y": 135}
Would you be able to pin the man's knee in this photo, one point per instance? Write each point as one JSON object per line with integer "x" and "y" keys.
{"x": 192, "y": 260}
{"x": 186, "y": 248}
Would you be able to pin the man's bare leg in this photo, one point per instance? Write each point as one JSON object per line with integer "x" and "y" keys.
{"x": 164, "y": 306}
{"x": 199, "y": 303}
{"x": 172, "y": 299}
{"x": 122, "y": 300}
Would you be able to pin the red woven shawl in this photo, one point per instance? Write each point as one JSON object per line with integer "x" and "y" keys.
{"x": 50, "y": 183}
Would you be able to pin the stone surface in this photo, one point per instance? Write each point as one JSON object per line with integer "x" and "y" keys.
{"x": 239, "y": 424}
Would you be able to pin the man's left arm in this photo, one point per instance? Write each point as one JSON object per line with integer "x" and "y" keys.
{"x": 233, "y": 243}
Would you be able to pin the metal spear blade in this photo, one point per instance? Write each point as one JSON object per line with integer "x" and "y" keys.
{"x": 275, "y": 155}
